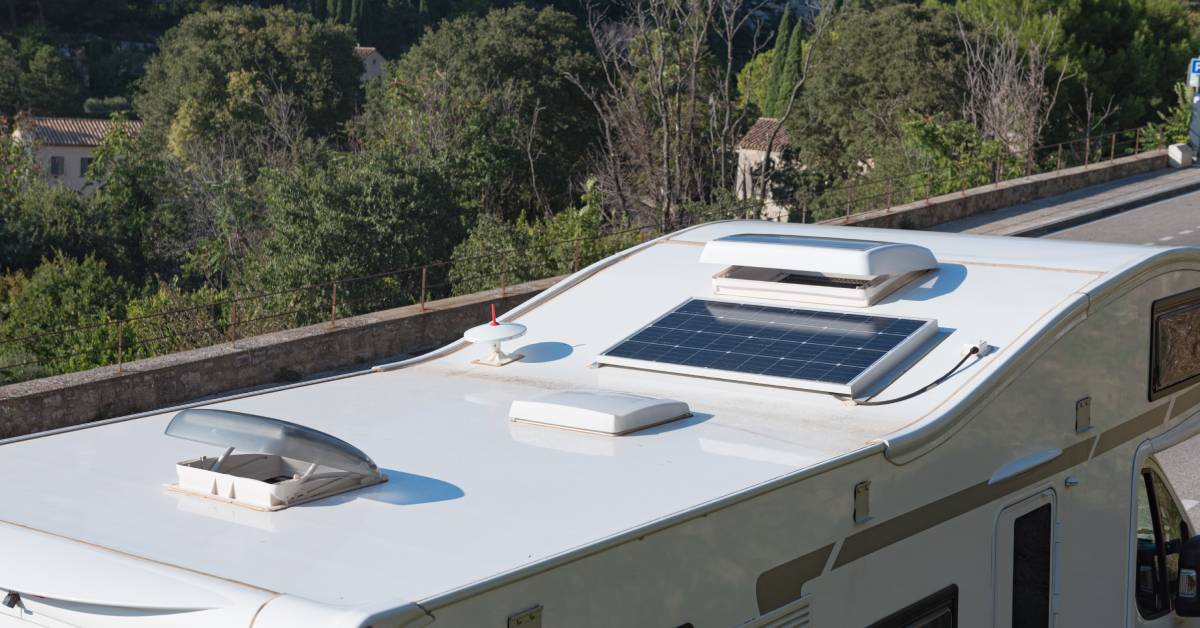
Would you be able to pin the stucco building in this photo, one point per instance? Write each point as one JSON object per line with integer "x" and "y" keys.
{"x": 64, "y": 147}
{"x": 372, "y": 62}
{"x": 752, "y": 153}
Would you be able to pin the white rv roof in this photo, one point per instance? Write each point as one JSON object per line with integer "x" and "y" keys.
{"x": 471, "y": 494}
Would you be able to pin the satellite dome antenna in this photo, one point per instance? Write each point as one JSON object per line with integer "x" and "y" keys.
{"x": 495, "y": 333}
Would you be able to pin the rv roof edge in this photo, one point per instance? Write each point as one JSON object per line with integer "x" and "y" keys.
{"x": 926, "y": 433}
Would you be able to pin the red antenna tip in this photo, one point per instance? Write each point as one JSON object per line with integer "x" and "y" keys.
{"x": 494, "y": 323}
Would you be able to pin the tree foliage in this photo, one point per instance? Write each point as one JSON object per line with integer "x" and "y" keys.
{"x": 64, "y": 314}
{"x": 487, "y": 99}
{"x": 214, "y": 69}
{"x": 354, "y": 216}
{"x": 1128, "y": 53}
{"x": 497, "y": 251}
{"x": 851, "y": 106}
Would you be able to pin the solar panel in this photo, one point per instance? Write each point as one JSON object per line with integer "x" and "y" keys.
{"x": 838, "y": 352}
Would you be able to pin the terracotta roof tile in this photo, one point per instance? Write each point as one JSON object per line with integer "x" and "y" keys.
{"x": 760, "y": 133}
{"x": 362, "y": 52}
{"x": 76, "y": 131}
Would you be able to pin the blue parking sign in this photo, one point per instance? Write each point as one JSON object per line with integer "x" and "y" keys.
{"x": 1195, "y": 66}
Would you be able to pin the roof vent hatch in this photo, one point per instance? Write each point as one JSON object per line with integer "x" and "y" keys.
{"x": 816, "y": 270}
{"x": 599, "y": 412}
{"x": 291, "y": 464}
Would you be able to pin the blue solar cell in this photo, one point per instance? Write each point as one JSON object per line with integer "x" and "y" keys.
{"x": 827, "y": 347}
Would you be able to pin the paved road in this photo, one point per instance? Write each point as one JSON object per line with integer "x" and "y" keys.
{"x": 1171, "y": 222}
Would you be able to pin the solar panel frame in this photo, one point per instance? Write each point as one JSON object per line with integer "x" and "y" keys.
{"x": 781, "y": 357}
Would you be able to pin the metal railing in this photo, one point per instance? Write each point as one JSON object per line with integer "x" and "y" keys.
{"x": 859, "y": 194}
{"x": 116, "y": 342}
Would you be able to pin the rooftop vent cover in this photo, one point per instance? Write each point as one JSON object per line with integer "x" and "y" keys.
{"x": 818, "y": 270}
{"x": 600, "y": 412}
{"x": 292, "y": 464}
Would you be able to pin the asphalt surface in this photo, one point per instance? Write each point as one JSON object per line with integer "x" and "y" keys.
{"x": 1173, "y": 222}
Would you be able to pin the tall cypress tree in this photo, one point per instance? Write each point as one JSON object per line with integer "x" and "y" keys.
{"x": 782, "y": 88}
{"x": 777, "y": 62}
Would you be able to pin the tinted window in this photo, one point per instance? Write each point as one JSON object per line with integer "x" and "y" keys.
{"x": 1032, "y": 544}
{"x": 1160, "y": 534}
{"x": 1175, "y": 343}
{"x": 939, "y": 610}
{"x": 56, "y": 165}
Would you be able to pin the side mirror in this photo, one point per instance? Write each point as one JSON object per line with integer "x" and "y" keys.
{"x": 1187, "y": 599}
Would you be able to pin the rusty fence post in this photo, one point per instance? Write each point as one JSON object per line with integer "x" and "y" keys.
{"x": 233, "y": 319}
{"x": 1112, "y": 147}
{"x": 1029, "y": 163}
{"x": 333, "y": 304}
{"x": 504, "y": 276}
{"x": 424, "y": 272}
{"x": 1058, "y": 165}
{"x": 1137, "y": 141}
{"x": 1087, "y": 151}
{"x": 120, "y": 346}
{"x": 849, "y": 195}
{"x": 995, "y": 172}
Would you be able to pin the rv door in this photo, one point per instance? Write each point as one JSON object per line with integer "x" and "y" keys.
{"x": 1161, "y": 529}
{"x": 1024, "y": 563}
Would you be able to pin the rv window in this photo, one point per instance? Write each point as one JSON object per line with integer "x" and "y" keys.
{"x": 1160, "y": 533}
{"x": 1031, "y": 568}
{"x": 1175, "y": 343}
{"x": 939, "y": 610}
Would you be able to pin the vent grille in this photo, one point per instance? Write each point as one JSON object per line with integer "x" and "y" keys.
{"x": 829, "y": 282}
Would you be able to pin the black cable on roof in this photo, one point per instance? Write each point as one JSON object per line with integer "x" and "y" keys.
{"x": 975, "y": 350}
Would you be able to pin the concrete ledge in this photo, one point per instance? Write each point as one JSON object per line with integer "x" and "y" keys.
{"x": 956, "y": 205}
{"x": 286, "y": 356}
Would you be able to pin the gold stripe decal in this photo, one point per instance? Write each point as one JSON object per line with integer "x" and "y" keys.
{"x": 1131, "y": 429}
{"x": 920, "y": 519}
{"x": 782, "y": 584}
{"x": 1185, "y": 401}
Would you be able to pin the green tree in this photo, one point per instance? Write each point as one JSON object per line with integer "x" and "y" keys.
{"x": 1126, "y": 52}
{"x": 785, "y": 83}
{"x": 488, "y": 100}
{"x": 51, "y": 86}
{"x": 526, "y": 249}
{"x": 754, "y": 81}
{"x": 1172, "y": 124}
{"x": 65, "y": 313}
{"x": 171, "y": 319}
{"x": 850, "y": 108}
{"x": 779, "y": 62}
{"x": 355, "y": 216}
{"x": 214, "y": 69}
{"x": 139, "y": 227}
{"x": 12, "y": 77}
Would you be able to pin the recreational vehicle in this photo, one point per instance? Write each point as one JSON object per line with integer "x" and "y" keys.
{"x": 737, "y": 424}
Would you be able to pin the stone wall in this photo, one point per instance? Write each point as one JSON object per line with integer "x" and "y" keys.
{"x": 281, "y": 357}
{"x": 939, "y": 209}
{"x": 287, "y": 356}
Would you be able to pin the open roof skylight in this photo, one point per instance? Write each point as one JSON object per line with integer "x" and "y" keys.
{"x": 817, "y": 270}
{"x": 837, "y": 352}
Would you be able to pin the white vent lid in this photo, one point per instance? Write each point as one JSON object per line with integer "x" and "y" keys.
{"x": 602, "y": 412}
{"x": 825, "y": 256}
